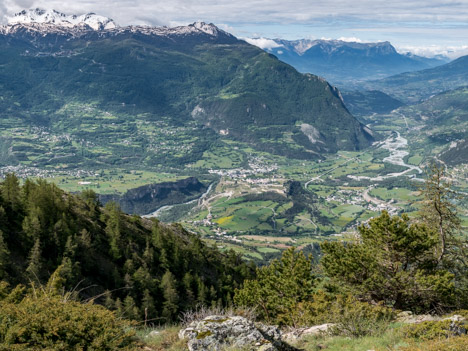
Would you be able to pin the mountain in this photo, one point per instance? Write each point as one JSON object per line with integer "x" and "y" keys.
{"x": 414, "y": 87}
{"x": 146, "y": 96}
{"x": 365, "y": 103}
{"x": 53, "y": 17}
{"x": 342, "y": 62}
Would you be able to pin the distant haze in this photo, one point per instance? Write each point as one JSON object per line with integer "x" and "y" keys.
{"x": 423, "y": 27}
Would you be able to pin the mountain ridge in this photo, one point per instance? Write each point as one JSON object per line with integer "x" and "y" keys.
{"x": 40, "y": 16}
{"x": 417, "y": 86}
{"x": 149, "y": 75}
{"x": 344, "y": 62}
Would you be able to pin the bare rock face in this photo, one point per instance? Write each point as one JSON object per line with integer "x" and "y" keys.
{"x": 215, "y": 333}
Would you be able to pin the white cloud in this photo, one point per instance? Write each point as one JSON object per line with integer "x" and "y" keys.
{"x": 256, "y": 11}
{"x": 350, "y": 39}
{"x": 404, "y": 22}
{"x": 263, "y": 43}
{"x": 452, "y": 52}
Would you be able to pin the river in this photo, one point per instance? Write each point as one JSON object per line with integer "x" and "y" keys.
{"x": 168, "y": 207}
{"x": 396, "y": 145}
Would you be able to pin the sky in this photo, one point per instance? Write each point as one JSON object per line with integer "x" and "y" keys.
{"x": 423, "y": 27}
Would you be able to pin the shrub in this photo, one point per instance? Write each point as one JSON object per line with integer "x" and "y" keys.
{"x": 459, "y": 343}
{"x": 46, "y": 321}
{"x": 357, "y": 319}
{"x": 430, "y": 330}
{"x": 279, "y": 288}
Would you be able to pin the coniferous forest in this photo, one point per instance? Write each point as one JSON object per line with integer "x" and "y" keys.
{"x": 140, "y": 268}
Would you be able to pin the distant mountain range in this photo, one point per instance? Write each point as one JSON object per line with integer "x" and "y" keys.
{"x": 93, "y": 94}
{"x": 413, "y": 87}
{"x": 345, "y": 63}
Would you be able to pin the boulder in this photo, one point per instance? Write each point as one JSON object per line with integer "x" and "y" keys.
{"x": 298, "y": 333}
{"x": 215, "y": 333}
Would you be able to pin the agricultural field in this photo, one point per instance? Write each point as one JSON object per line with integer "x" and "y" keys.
{"x": 259, "y": 203}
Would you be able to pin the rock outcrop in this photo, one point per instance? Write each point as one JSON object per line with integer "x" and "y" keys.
{"x": 215, "y": 333}
{"x": 148, "y": 198}
{"x": 298, "y": 333}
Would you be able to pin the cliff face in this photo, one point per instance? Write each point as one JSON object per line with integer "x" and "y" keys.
{"x": 149, "y": 198}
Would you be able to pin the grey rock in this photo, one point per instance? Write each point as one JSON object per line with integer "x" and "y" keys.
{"x": 298, "y": 333}
{"x": 215, "y": 333}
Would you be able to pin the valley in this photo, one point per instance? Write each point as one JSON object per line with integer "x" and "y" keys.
{"x": 234, "y": 144}
{"x": 175, "y": 185}
{"x": 259, "y": 203}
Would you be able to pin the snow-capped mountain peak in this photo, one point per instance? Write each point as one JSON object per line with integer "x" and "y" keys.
{"x": 210, "y": 28}
{"x": 41, "y": 16}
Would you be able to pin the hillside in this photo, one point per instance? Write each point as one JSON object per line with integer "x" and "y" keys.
{"x": 124, "y": 262}
{"x": 413, "y": 87}
{"x": 346, "y": 63}
{"x": 445, "y": 120}
{"x": 157, "y": 96}
{"x": 362, "y": 103}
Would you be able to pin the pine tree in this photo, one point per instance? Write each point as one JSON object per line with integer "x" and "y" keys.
{"x": 439, "y": 211}
{"x": 393, "y": 263}
{"x": 32, "y": 225}
{"x": 11, "y": 190}
{"x": 109, "y": 302}
{"x": 4, "y": 256}
{"x": 279, "y": 288}
{"x": 130, "y": 308}
{"x": 202, "y": 293}
{"x": 147, "y": 305}
{"x": 113, "y": 229}
{"x": 187, "y": 281}
{"x": 171, "y": 297}
{"x": 34, "y": 269}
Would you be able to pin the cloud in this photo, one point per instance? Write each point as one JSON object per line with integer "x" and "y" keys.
{"x": 257, "y": 11}
{"x": 409, "y": 21}
{"x": 451, "y": 52}
{"x": 263, "y": 43}
{"x": 350, "y": 39}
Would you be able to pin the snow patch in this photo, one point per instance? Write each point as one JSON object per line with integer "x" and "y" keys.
{"x": 41, "y": 16}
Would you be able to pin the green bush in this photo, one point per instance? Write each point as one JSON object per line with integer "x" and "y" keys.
{"x": 429, "y": 330}
{"x": 357, "y": 319}
{"x": 459, "y": 343}
{"x": 46, "y": 321}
